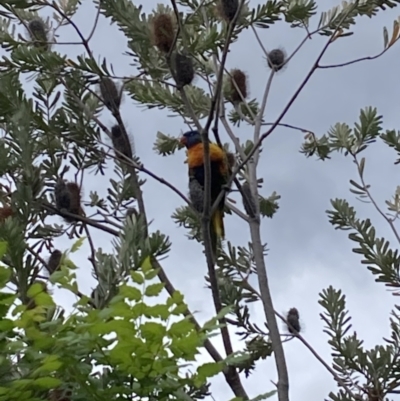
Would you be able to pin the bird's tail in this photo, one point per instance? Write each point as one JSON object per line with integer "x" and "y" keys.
{"x": 217, "y": 230}
{"x": 218, "y": 223}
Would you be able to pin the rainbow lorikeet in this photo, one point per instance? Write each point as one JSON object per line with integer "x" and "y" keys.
{"x": 219, "y": 176}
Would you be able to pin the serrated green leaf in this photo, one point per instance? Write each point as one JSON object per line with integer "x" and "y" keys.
{"x": 153, "y": 290}
{"x": 181, "y": 328}
{"x": 137, "y": 277}
{"x": 77, "y": 244}
{"x": 130, "y": 292}
{"x": 209, "y": 369}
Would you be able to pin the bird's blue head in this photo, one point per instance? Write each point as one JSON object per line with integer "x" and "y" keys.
{"x": 191, "y": 138}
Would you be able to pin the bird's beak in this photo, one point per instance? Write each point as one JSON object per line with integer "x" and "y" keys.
{"x": 183, "y": 140}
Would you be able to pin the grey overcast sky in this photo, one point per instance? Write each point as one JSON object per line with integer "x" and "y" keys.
{"x": 306, "y": 254}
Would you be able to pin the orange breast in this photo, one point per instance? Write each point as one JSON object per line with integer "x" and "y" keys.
{"x": 196, "y": 155}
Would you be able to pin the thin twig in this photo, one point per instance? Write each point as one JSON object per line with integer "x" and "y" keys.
{"x": 358, "y": 59}
{"x": 372, "y": 199}
{"x": 96, "y": 20}
{"x": 304, "y": 130}
{"x": 92, "y": 259}
{"x": 305, "y": 342}
{"x": 259, "y": 41}
{"x": 259, "y": 117}
{"x": 181, "y": 90}
{"x": 238, "y": 212}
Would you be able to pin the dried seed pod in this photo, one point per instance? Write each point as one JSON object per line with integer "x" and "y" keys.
{"x": 75, "y": 198}
{"x": 163, "y": 32}
{"x": 5, "y": 212}
{"x": 248, "y": 200}
{"x": 276, "y": 59}
{"x": 121, "y": 143}
{"x": 110, "y": 94}
{"x": 68, "y": 197}
{"x": 38, "y": 33}
{"x": 375, "y": 392}
{"x": 231, "y": 160}
{"x": 54, "y": 261}
{"x": 227, "y": 9}
{"x": 183, "y": 69}
{"x": 132, "y": 212}
{"x": 293, "y": 322}
{"x": 196, "y": 195}
{"x": 59, "y": 394}
{"x": 239, "y": 90}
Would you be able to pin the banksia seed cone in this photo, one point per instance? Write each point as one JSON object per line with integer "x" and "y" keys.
{"x": 196, "y": 195}
{"x": 110, "y": 94}
{"x": 132, "y": 212}
{"x": 54, "y": 261}
{"x": 121, "y": 143}
{"x": 239, "y": 78}
{"x": 231, "y": 160}
{"x": 276, "y": 59}
{"x": 293, "y": 323}
{"x": 38, "y": 33}
{"x": 227, "y": 9}
{"x": 59, "y": 395}
{"x": 75, "y": 198}
{"x": 183, "y": 69}
{"x": 248, "y": 200}
{"x": 375, "y": 394}
{"x": 163, "y": 32}
{"x": 68, "y": 197}
{"x": 5, "y": 212}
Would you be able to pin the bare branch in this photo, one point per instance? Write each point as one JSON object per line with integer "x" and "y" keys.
{"x": 358, "y": 60}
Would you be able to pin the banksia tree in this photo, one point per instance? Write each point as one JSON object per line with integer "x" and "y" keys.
{"x": 66, "y": 131}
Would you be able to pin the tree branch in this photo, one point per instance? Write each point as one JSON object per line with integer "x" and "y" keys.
{"x": 358, "y": 59}
{"x": 372, "y": 199}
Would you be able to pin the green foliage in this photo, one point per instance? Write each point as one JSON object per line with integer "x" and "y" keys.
{"x": 342, "y": 138}
{"x": 380, "y": 259}
{"x": 269, "y": 206}
{"x": 343, "y": 16}
{"x": 166, "y": 145}
{"x": 351, "y": 361}
{"x": 133, "y": 342}
{"x": 298, "y": 12}
{"x": 246, "y": 111}
{"x": 359, "y": 371}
